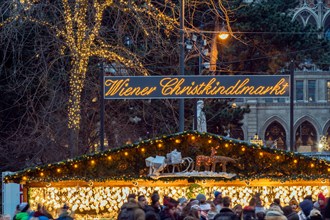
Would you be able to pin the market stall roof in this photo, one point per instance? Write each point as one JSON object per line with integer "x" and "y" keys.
{"x": 128, "y": 162}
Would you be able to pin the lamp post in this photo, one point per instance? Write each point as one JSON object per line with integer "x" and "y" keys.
{"x": 222, "y": 35}
{"x": 102, "y": 108}
{"x": 181, "y": 64}
{"x": 292, "y": 148}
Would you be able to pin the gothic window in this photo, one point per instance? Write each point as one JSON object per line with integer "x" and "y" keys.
{"x": 275, "y": 136}
{"x": 311, "y": 90}
{"x": 300, "y": 90}
{"x": 306, "y": 138}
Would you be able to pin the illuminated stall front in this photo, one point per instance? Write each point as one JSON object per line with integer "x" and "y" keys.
{"x": 97, "y": 185}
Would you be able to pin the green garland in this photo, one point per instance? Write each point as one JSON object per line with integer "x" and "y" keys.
{"x": 128, "y": 162}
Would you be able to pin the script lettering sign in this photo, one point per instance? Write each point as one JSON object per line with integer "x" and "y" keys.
{"x": 163, "y": 87}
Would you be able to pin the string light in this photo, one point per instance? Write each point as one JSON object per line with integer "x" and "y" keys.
{"x": 87, "y": 200}
{"x": 242, "y": 152}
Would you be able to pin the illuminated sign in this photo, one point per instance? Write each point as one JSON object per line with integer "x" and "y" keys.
{"x": 157, "y": 87}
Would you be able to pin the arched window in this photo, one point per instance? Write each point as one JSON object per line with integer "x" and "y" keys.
{"x": 275, "y": 136}
{"x": 306, "y": 139}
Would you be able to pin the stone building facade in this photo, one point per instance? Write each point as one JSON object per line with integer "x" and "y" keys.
{"x": 269, "y": 119}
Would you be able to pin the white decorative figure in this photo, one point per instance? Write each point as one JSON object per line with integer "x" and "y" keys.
{"x": 201, "y": 119}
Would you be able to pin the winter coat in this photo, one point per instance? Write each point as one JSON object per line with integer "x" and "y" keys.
{"x": 138, "y": 212}
{"x": 226, "y": 214}
{"x": 292, "y": 216}
{"x": 22, "y": 216}
{"x": 153, "y": 210}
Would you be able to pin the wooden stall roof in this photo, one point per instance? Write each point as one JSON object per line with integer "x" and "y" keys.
{"x": 127, "y": 163}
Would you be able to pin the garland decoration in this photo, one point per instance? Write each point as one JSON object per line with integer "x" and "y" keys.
{"x": 127, "y": 163}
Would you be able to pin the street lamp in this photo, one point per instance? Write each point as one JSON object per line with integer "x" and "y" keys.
{"x": 223, "y": 35}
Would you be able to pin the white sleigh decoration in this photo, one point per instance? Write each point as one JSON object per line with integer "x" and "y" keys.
{"x": 159, "y": 165}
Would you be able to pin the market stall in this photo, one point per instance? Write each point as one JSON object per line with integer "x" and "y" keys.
{"x": 181, "y": 164}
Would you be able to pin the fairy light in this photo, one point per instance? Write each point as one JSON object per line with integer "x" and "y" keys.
{"x": 93, "y": 199}
{"x": 80, "y": 40}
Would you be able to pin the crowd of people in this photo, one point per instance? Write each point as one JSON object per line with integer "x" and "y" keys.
{"x": 24, "y": 212}
{"x": 220, "y": 208}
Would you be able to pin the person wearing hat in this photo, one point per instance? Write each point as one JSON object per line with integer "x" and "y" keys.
{"x": 226, "y": 213}
{"x": 169, "y": 210}
{"x": 217, "y": 200}
{"x": 181, "y": 206}
{"x": 249, "y": 211}
{"x": 320, "y": 203}
{"x": 205, "y": 208}
{"x": 154, "y": 207}
{"x": 306, "y": 207}
{"x": 23, "y": 214}
{"x": 315, "y": 215}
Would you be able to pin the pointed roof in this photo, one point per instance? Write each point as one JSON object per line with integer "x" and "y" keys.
{"x": 128, "y": 161}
